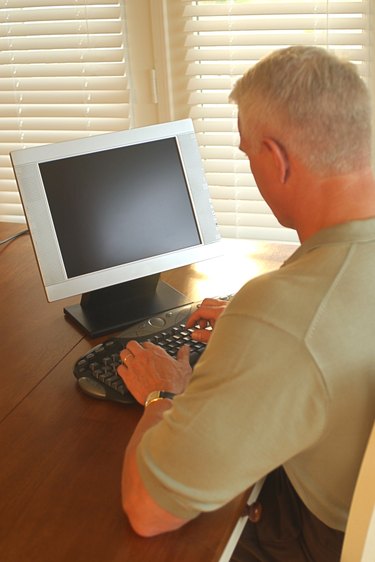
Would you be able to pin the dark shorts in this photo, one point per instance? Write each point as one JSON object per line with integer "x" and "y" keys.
{"x": 286, "y": 531}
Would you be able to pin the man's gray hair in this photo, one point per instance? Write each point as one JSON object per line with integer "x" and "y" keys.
{"x": 316, "y": 104}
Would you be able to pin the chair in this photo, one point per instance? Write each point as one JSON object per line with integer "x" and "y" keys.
{"x": 359, "y": 541}
{"x": 236, "y": 533}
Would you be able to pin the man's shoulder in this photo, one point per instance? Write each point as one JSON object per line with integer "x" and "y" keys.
{"x": 287, "y": 297}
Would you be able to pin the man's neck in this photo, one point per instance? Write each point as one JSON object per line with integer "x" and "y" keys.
{"x": 335, "y": 200}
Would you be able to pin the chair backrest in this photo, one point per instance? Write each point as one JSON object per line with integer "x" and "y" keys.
{"x": 359, "y": 541}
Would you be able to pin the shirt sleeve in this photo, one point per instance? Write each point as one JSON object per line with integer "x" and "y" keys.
{"x": 256, "y": 397}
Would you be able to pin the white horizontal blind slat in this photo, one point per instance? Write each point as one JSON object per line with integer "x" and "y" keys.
{"x": 62, "y": 76}
{"x": 222, "y": 40}
{"x": 202, "y": 8}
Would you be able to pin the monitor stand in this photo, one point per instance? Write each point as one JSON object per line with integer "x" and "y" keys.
{"x": 113, "y": 308}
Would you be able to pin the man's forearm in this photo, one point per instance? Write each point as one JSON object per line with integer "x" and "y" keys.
{"x": 152, "y": 415}
{"x": 145, "y": 516}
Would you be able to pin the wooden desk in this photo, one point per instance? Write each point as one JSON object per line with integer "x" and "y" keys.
{"x": 61, "y": 452}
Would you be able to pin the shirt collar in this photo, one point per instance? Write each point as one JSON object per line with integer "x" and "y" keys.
{"x": 348, "y": 232}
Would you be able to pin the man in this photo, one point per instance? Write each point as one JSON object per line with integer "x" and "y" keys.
{"x": 286, "y": 386}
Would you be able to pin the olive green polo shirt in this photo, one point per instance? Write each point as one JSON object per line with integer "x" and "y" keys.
{"x": 288, "y": 378}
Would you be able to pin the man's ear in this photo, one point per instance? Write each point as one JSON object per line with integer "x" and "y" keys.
{"x": 280, "y": 158}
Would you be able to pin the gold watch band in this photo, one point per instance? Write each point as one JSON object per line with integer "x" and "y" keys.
{"x": 158, "y": 395}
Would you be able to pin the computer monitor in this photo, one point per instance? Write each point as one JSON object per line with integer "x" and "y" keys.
{"x": 108, "y": 213}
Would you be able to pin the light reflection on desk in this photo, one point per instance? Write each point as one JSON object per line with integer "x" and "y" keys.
{"x": 212, "y": 278}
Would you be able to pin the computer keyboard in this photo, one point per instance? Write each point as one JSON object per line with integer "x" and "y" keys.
{"x": 96, "y": 371}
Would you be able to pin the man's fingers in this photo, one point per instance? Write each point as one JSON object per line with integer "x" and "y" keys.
{"x": 183, "y": 354}
{"x": 201, "y": 335}
{"x": 209, "y": 302}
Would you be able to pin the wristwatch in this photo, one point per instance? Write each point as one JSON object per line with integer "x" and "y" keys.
{"x": 158, "y": 395}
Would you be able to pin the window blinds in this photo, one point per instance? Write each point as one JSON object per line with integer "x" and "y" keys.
{"x": 62, "y": 76}
{"x": 223, "y": 39}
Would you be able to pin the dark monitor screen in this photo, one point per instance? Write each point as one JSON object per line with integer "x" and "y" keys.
{"x": 121, "y": 205}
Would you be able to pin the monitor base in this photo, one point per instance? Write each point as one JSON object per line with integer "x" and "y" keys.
{"x": 111, "y": 309}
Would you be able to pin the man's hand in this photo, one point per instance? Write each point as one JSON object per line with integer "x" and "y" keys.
{"x": 205, "y": 318}
{"x": 147, "y": 367}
